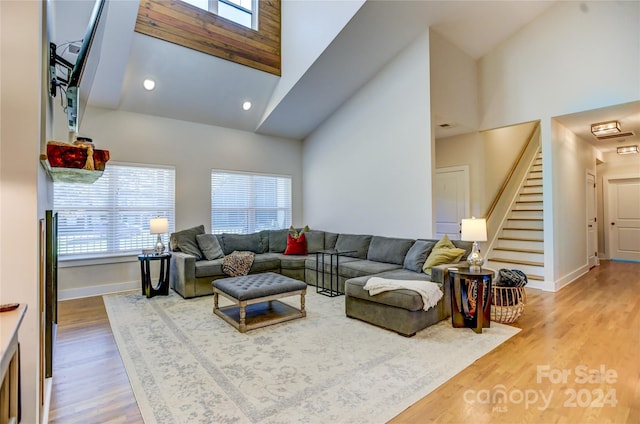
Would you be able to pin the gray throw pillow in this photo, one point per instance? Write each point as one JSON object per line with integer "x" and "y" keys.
{"x": 209, "y": 246}
{"x": 418, "y": 254}
{"x": 185, "y": 241}
{"x": 278, "y": 240}
{"x": 315, "y": 241}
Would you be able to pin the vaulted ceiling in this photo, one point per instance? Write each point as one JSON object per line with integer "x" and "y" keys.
{"x": 196, "y": 87}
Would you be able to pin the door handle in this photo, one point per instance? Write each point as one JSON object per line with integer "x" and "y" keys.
{"x": 613, "y": 223}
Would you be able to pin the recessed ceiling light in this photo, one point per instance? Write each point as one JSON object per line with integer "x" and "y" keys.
{"x": 246, "y": 105}
{"x": 149, "y": 84}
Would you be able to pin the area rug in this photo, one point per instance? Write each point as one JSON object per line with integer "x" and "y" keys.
{"x": 187, "y": 365}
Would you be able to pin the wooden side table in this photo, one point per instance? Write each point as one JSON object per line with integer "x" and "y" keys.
{"x": 162, "y": 288}
{"x": 470, "y": 298}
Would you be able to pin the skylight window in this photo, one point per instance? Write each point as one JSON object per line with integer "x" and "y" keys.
{"x": 238, "y": 11}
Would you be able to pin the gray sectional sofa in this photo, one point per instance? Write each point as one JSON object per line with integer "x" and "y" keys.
{"x": 194, "y": 265}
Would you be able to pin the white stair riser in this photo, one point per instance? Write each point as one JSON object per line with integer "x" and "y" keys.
{"x": 528, "y": 205}
{"x": 528, "y": 197}
{"x": 521, "y": 244}
{"x": 537, "y": 167}
{"x": 521, "y": 214}
{"x": 521, "y": 256}
{"x": 522, "y": 224}
{"x": 522, "y": 234}
{"x": 527, "y": 269}
{"x": 531, "y": 190}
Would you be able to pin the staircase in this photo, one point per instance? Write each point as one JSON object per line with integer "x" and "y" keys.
{"x": 520, "y": 241}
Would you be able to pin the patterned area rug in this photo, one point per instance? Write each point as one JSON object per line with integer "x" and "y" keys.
{"x": 187, "y": 365}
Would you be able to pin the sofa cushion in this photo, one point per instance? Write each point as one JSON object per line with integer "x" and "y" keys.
{"x": 310, "y": 262}
{"x": 389, "y": 250}
{"x": 402, "y": 298}
{"x": 296, "y": 246}
{"x": 242, "y": 242}
{"x": 278, "y": 240}
{"x": 364, "y": 267}
{"x": 292, "y": 262}
{"x": 418, "y": 254}
{"x": 443, "y": 252}
{"x": 315, "y": 241}
{"x": 185, "y": 241}
{"x": 209, "y": 246}
{"x": 209, "y": 268}
{"x": 357, "y": 242}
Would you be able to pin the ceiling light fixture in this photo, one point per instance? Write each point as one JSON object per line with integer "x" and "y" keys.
{"x": 149, "y": 84}
{"x": 625, "y": 150}
{"x": 246, "y": 105}
{"x": 605, "y": 128}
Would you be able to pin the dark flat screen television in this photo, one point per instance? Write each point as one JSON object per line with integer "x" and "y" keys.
{"x": 82, "y": 73}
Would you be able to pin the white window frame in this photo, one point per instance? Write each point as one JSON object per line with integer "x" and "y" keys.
{"x": 113, "y": 212}
{"x": 214, "y": 4}
{"x": 251, "y": 208}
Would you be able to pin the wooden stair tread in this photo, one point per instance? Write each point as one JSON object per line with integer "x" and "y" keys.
{"x": 535, "y": 277}
{"x": 528, "y": 201}
{"x": 516, "y": 261}
{"x": 524, "y": 219}
{"x": 522, "y": 229}
{"x": 515, "y": 249}
{"x": 520, "y": 239}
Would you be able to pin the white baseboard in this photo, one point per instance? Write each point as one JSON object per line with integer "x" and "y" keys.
{"x": 571, "y": 277}
{"x": 100, "y": 290}
{"x": 46, "y": 402}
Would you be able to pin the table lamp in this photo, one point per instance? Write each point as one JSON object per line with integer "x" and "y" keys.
{"x": 474, "y": 230}
{"x": 159, "y": 226}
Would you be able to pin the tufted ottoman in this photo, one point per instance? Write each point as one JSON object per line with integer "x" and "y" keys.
{"x": 254, "y": 297}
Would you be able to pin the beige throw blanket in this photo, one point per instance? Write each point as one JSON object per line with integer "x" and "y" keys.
{"x": 430, "y": 292}
{"x": 237, "y": 263}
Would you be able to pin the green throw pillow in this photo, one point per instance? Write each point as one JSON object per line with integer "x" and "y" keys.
{"x": 444, "y": 252}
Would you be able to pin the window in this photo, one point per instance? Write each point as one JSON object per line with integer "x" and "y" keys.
{"x": 238, "y": 11}
{"x": 111, "y": 216}
{"x": 244, "y": 203}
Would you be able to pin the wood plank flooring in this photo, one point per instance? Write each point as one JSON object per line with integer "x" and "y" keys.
{"x": 589, "y": 330}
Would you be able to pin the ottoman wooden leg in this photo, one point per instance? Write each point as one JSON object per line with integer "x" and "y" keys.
{"x": 243, "y": 315}
{"x": 302, "y": 311}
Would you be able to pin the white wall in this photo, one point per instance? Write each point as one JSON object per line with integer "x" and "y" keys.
{"x": 489, "y": 155}
{"x": 307, "y": 28}
{"x": 572, "y": 158}
{"x": 454, "y": 85}
{"x": 21, "y": 123}
{"x": 548, "y": 69}
{"x": 367, "y": 169}
{"x": 193, "y": 149}
{"x": 614, "y": 165}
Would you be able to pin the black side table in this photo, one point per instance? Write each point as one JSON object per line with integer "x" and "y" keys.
{"x": 162, "y": 288}
{"x": 470, "y": 298}
{"x": 332, "y": 290}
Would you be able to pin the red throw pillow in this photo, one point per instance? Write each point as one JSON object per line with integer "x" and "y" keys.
{"x": 296, "y": 246}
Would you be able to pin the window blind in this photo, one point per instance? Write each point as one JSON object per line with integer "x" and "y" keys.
{"x": 111, "y": 216}
{"x": 244, "y": 203}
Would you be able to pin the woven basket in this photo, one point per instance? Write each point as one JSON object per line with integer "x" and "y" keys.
{"x": 507, "y": 304}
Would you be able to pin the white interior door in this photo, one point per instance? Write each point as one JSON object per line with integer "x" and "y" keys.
{"x": 592, "y": 230}
{"x": 623, "y": 198}
{"x": 451, "y": 200}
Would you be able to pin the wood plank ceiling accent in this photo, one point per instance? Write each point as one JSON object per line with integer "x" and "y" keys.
{"x": 188, "y": 26}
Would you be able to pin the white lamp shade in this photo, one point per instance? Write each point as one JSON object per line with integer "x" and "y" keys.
{"x": 159, "y": 225}
{"x": 474, "y": 229}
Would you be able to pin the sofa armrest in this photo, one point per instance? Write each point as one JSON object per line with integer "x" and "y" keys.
{"x": 440, "y": 273}
{"x": 182, "y": 277}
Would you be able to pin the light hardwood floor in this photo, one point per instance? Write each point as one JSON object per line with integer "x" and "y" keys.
{"x": 589, "y": 331}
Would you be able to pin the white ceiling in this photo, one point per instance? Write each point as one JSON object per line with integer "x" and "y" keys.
{"x": 196, "y": 87}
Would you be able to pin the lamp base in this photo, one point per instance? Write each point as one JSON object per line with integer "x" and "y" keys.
{"x": 475, "y": 259}
{"x": 159, "y": 246}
